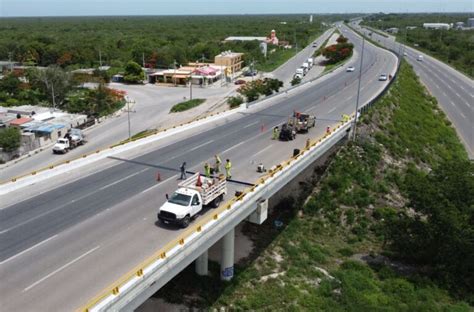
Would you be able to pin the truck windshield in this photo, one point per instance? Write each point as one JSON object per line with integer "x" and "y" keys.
{"x": 180, "y": 199}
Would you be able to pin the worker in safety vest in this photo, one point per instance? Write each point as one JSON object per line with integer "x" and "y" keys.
{"x": 228, "y": 166}
{"x": 276, "y": 133}
{"x": 207, "y": 170}
{"x": 345, "y": 117}
{"x": 217, "y": 168}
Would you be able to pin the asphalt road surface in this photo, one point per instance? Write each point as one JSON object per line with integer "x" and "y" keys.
{"x": 63, "y": 241}
{"x": 453, "y": 90}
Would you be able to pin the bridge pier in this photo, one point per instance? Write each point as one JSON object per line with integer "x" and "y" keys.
{"x": 202, "y": 264}
{"x": 227, "y": 256}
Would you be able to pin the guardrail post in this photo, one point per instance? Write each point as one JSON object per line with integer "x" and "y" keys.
{"x": 227, "y": 256}
{"x": 202, "y": 264}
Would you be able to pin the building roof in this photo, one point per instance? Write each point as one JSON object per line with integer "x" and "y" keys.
{"x": 229, "y": 54}
{"x": 245, "y": 38}
{"x": 20, "y": 121}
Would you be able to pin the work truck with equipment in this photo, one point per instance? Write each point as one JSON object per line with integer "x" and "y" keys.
{"x": 302, "y": 122}
{"x": 191, "y": 196}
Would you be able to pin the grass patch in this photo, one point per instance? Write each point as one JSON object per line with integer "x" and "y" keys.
{"x": 277, "y": 58}
{"x": 184, "y": 106}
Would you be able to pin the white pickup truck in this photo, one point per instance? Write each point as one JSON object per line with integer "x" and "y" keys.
{"x": 188, "y": 200}
{"x": 72, "y": 139}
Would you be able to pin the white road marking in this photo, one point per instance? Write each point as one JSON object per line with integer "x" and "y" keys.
{"x": 452, "y": 103}
{"x": 463, "y": 116}
{"x": 61, "y": 268}
{"x": 444, "y": 93}
{"x": 121, "y": 180}
{"x": 232, "y": 147}
{"x": 26, "y": 250}
{"x": 266, "y": 148}
{"x": 200, "y": 145}
{"x": 332, "y": 110}
{"x": 159, "y": 184}
{"x": 253, "y": 123}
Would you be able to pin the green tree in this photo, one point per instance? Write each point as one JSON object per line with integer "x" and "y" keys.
{"x": 133, "y": 73}
{"x": 54, "y": 82}
{"x": 10, "y": 139}
{"x": 10, "y": 84}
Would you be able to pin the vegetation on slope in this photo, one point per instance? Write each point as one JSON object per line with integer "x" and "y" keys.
{"x": 452, "y": 46}
{"x": 388, "y": 226}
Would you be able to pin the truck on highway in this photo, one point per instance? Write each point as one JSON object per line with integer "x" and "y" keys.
{"x": 305, "y": 67}
{"x": 310, "y": 62}
{"x": 300, "y": 72}
{"x": 302, "y": 122}
{"x": 191, "y": 196}
{"x": 72, "y": 139}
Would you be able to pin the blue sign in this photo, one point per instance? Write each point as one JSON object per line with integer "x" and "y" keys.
{"x": 228, "y": 272}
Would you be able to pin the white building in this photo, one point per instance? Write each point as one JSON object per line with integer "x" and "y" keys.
{"x": 436, "y": 26}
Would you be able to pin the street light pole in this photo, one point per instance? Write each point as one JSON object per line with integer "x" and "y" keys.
{"x": 128, "y": 116}
{"x": 358, "y": 90}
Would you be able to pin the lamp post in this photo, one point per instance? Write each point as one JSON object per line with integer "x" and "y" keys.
{"x": 358, "y": 89}
{"x": 128, "y": 116}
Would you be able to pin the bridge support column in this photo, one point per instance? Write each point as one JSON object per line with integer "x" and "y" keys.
{"x": 202, "y": 264}
{"x": 227, "y": 256}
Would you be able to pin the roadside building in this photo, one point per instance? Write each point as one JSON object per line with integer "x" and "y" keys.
{"x": 18, "y": 122}
{"x": 245, "y": 38}
{"x": 436, "y": 26}
{"x": 392, "y": 30}
{"x": 230, "y": 61}
{"x": 470, "y": 22}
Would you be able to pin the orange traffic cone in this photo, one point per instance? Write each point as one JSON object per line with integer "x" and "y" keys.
{"x": 199, "y": 182}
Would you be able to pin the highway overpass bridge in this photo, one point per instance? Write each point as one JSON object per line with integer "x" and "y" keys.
{"x": 73, "y": 232}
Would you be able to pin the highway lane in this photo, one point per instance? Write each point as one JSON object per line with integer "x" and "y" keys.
{"x": 73, "y": 242}
{"x": 453, "y": 90}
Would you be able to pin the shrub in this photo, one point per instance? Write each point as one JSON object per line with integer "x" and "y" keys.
{"x": 235, "y": 101}
{"x": 183, "y": 106}
{"x": 10, "y": 139}
{"x": 295, "y": 81}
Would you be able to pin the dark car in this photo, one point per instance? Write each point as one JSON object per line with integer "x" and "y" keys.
{"x": 250, "y": 73}
{"x": 240, "y": 82}
{"x": 287, "y": 133}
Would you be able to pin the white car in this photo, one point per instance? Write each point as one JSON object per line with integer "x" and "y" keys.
{"x": 350, "y": 69}
{"x": 405, "y": 54}
{"x": 419, "y": 58}
{"x": 383, "y": 77}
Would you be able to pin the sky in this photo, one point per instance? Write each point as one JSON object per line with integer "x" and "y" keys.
{"x": 11, "y": 8}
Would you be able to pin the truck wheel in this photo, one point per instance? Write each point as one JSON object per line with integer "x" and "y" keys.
{"x": 185, "y": 222}
{"x": 217, "y": 201}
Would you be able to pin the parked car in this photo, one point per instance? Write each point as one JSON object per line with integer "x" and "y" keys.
{"x": 383, "y": 77}
{"x": 240, "y": 82}
{"x": 287, "y": 133}
{"x": 350, "y": 69}
{"x": 250, "y": 73}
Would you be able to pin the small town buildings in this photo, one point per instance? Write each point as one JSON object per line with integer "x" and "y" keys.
{"x": 392, "y": 30}
{"x": 231, "y": 61}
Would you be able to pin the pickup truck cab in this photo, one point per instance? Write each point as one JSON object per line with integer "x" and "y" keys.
{"x": 190, "y": 198}
{"x": 61, "y": 147}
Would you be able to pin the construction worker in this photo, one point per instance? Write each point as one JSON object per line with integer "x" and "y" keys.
{"x": 228, "y": 166}
{"x": 207, "y": 170}
{"x": 218, "y": 164}
{"x": 345, "y": 118}
{"x": 308, "y": 143}
{"x": 183, "y": 171}
{"x": 276, "y": 133}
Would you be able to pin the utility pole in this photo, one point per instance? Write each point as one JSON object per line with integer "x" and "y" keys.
{"x": 358, "y": 89}
{"x": 10, "y": 57}
{"x": 174, "y": 75}
{"x": 296, "y": 45}
{"x": 100, "y": 58}
{"x": 52, "y": 93}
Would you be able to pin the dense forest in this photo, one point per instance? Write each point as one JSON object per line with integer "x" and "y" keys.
{"x": 453, "y": 46}
{"x": 82, "y": 42}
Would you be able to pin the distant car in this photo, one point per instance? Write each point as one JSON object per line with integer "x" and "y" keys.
{"x": 350, "y": 69}
{"x": 405, "y": 54}
{"x": 315, "y": 45}
{"x": 240, "y": 82}
{"x": 383, "y": 77}
{"x": 419, "y": 58}
{"x": 250, "y": 73}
